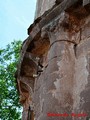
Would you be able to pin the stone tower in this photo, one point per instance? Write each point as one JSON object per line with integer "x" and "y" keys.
{"x": 54, "y": 71}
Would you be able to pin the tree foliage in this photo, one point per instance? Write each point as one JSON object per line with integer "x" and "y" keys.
{"x": 9, "y": 105}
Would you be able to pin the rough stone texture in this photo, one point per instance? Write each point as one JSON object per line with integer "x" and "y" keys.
{"x": 54, "y": 70}
{"x": 43, "y": 6}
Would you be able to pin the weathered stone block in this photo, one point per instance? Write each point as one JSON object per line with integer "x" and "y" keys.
{"x": 62, "y": 42}
{"x": 85, "y": 31}
{"x": 85, "y": 2}
{"x": 43, "y": 6}
{"x": 83, "y": 47}
{"x": 60, "y": 48}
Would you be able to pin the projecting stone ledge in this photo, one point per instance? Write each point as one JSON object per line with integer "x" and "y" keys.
{"x": 54, "y": 70}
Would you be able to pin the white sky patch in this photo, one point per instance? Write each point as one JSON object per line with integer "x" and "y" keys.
{"x": 15, "y": 18}
{"x": 21, "y": 21}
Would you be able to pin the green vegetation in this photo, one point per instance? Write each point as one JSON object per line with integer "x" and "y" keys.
{"x": 10, "y": 109}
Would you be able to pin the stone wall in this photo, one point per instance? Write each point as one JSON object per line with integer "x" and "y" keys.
{"x": 54, "y": 70}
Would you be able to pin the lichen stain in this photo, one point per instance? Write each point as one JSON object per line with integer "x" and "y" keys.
{"x": 56, "y": 93}
{"x": 41, "y": 104}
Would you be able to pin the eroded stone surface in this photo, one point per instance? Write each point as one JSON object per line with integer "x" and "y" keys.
{"x": 54, "y": 72}
{"x": 43, "y": 6}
